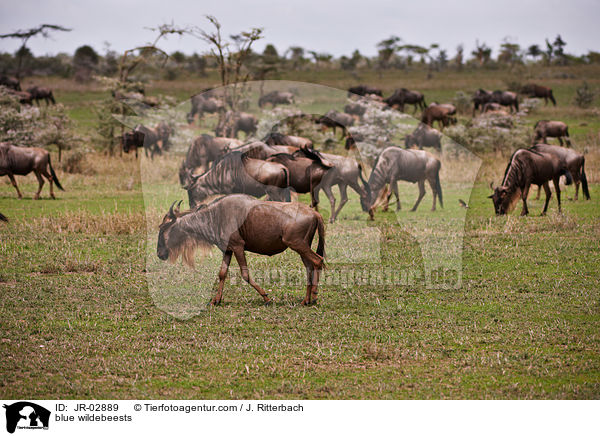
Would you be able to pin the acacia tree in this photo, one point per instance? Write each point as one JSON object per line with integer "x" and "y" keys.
{"x": 25, "y": 35}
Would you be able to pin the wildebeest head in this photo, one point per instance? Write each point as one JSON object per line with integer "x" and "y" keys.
{"x": 166, "y": 241}
{"x": 503, "y": 200}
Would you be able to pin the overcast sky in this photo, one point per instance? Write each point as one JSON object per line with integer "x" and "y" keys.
{"x": 336, "y": 27}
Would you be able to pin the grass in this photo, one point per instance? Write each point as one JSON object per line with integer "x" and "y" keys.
{"x": 81, "y": 317}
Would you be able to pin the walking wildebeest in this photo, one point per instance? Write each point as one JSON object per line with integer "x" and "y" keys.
{"x": 403, "y": 96}
{"x": 305, "y": 173}
{"x": 480, "y": 98}
{"x": 575, "y": 163}
{"x": 275, "y": 98}
{"x": 364, "y": 90}
{"x": 239, "y": 223}
{"x": 10, "y": 82}
{"x": 506, "y": 98}
{"x": 526, "y": 168}
{"x": 413, "y": 166}
{"x": 276, "y": 138}
{"x": 201, "y": 103}
{"x": 20, "y": 161}
{"x": 554, "y": 129}
{"x": 40, "y": 93}
{"x": 205, "y": 149}
{"x": 345, "y": 172}
{"x": 537, "y": 91}
{"x": 236, "y": 173}
{"x": 424, "y": 136}
{"x": 146, "y": 137}
{"x": 440, "y": 113}
{"x": 334, "y": 119}
{"x": 132, "y": 141}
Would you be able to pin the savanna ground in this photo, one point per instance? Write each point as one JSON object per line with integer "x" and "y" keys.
{"x": 80, "y": 321}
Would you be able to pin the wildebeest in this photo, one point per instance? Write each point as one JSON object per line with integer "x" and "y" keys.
{"x": 146, "y": 137}
{"x": 574, "y": 161}
{"x": 334, "y": 120}
{"x": 40, "y": 93}
{"x": 276, "y": 138}
{"x": 201, "y": 103}
{"x": 364, "y": 90}
{"x": 413, "y": 166}
{"x": 424, "y": 136}
{"x": 355, "y": 109}
{"x": 345, "y": 172}
{"x": 480, "y": 98}
{"x": 260, "y": 150}
{"x": 526, "y": 168}
{"x": 442, "y": 113}
{"x": 537, "y": 91}
{"x": 403, "y": 96}
{"x": 305, "y": 169}
{"x": 164, "y": 132}
{"x": 132, "y": 141}
{"x": 20, "y": 161}
{"x": 3, "y": 218}
{"x": 205, "y": 149}
{"x": 239, "y": 223}
{"x": 24, "y": 97}
{"x": 243, "y": 122}
{"x": 492, "y": 107}
{"x": 10, "y": 82}
{"x": 506, "y": 98}
{"x": 275, "y": 98}
{"x": 554, "y": 129}
{"x": 237, "y": 173}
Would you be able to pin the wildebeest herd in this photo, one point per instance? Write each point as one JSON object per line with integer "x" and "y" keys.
{"x": 240, "y": 172}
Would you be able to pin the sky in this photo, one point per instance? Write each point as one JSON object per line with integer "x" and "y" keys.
{"x": 335, "y": 27}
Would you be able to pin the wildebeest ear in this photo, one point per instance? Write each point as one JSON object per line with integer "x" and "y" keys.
{"x": 491, "y": 196}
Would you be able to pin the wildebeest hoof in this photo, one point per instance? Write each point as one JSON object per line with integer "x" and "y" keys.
{"x": 269, "y": 302}
{"x": 215, "y": 302}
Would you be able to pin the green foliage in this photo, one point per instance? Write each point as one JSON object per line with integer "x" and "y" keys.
{"x": 584, "y": 96}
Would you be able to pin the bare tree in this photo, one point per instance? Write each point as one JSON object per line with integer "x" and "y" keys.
{"x": 25, "y": 35}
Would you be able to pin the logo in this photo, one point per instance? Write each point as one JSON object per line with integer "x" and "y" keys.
{"x": 26, "y": 415}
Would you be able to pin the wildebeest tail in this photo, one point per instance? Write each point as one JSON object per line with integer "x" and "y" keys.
{"x": 288, "y": 193}
{"x": 438, "y": 188}
{"x": 3, "y": 218}
{"x": 584, "y": 183}
{"x": 51, "y": 97}
{"x": 568, "y": 177}
{"x": 365, "y": 183}
{"x": 54, "y": 178}
{"x": 321, "y": 230}
{"x": 552, "y": 98}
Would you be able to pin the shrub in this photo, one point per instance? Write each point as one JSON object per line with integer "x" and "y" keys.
{"x": 584, "y": 96}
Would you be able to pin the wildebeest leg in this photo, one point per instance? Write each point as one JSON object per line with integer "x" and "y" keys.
{"x": 560, "y": 141}
{"x": 222, "y": 276}
{"x": 240, "y": 256}
{"x": 343, "y": 201}
{"x": 394, "y": 187}
{"x": 41, "y": 184}
{"x": 331, "y": 197}
{"x": 556, "y": 182}
{"x": 313, "y": 263}
{"x": 421, "y": 194}
{"x": 49, "y": 177}
{"x": 576, "y": 189}
{"x": 14, "y": 183}
{"x": 548, "y": 192}
{"x": 537, "y": 197}
{"x": 432, "y": 185}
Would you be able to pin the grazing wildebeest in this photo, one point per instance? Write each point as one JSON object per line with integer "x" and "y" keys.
{"x": 554, "y": 129}
{"x": 236, "y": 173}
{"x": 205, "y": 149}
{"x": 20, "y": 161}
{"x": 424, "y": 136}
{"x": 242, "y": 122}
{"x": 537, "y": 91}
{"x": 3, "y": 218}
{"x": 480, "y": 98}
{"x": 413, "y": 166}
{"x": 305, "y": 173}
{"x": 10, "y": 82}
{"x": 403, "y": 96}
{"x": 334, "y": 119}
{"x": 355, "y": 109}
{"x": 575, "y": 163}
{"x": 239, "y": 223}
{"x": 364, "y": 90}
{"x": 201, "y": 104}
{"x": 275, "y": 98}
{"x": 506, "y": 98}
{"x": 442, "y": 113}
{"x": 526, "y": 168}
{"x": 276, "y": 138}
{"x": 345, "y": 172}
{"x": 40, "y": 93}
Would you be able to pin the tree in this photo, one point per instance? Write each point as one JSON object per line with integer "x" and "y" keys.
{"x": 559, "y": 52}
{"x": 482, "y": 53}
{"x": 458, "y": 59}
{"x": 25, "y": 35}
{"x": 296, "y": 56}
{"x": 534, "y": 52}
{"x": 85, "y": 61}
{"x": 509, "y": 52}
{"x": 387, "y": 48}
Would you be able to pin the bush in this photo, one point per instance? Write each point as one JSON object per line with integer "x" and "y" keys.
{"x": 584, "y": 96}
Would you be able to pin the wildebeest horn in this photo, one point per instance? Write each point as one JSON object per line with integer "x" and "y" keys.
{"x": 171, "y": 213}
{"x": 492, "y": 186}
{"x": 178, "y": 204}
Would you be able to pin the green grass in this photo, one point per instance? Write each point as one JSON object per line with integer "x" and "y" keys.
{"x": 78, "y": 316}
